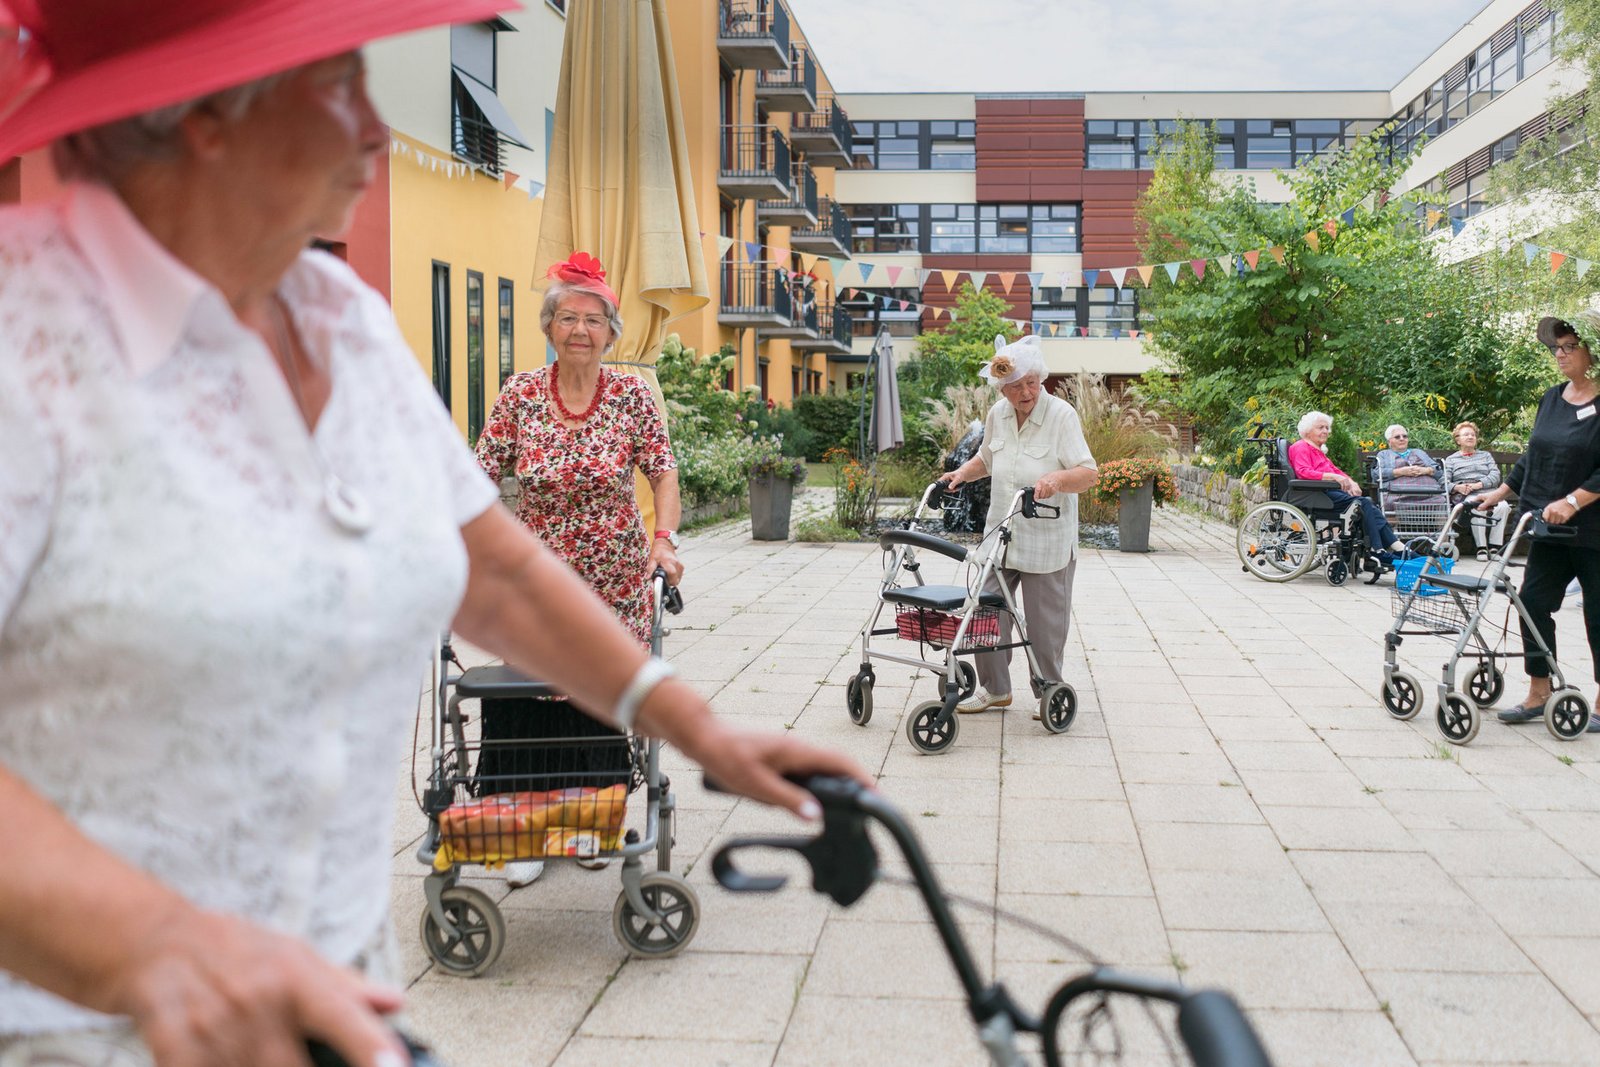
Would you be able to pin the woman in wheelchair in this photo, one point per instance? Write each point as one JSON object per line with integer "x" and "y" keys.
{"x": 1309, "y": 459}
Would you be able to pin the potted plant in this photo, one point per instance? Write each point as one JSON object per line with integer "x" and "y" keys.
{"x": 773, "y": 477}
{"x": 1135, "y": 484}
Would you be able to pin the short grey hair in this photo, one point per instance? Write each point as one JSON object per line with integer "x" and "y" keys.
{"x": 1311, "y": 418}
{"x": 559, "y": 291}
{"x": 1394, "y": 429}
{"x": 107, "y": 152}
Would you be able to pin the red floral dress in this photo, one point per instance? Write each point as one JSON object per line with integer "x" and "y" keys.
{"x": 577, "y": 484}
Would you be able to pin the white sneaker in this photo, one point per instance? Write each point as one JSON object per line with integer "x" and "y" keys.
{"x": 983, "y": 701}
{"x": 594, "y": 863}
{"x": 523, "y": 872}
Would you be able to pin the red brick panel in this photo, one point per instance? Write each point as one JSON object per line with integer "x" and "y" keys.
{"x": 934, "y": 293}
{"x": 1110, "y": 230}
{"x": 1029, "y": 150}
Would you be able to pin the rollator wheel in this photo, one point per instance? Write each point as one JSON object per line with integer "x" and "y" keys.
{"x": 1336, "y": 572}
{"x": 1458, "y": 719}
{"x": 679, "y": 907}
{"x": 858, "y": 698}
{"x": 1487, "y": 685}
{"x": 1402, "y": 695}
{"x": 1276, "y": 542}
{"x": 1058, "y": 707}
{"x": 966, "y": 678}
{"x": 479, "y": 937}
{"x": 924, "y": 735}
{"x": 1566, "y": 714}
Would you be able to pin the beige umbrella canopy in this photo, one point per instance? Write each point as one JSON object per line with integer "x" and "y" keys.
{"x": 619, "y": 185}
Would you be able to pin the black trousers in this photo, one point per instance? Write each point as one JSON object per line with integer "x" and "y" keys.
{"x": 1551, "y": 565}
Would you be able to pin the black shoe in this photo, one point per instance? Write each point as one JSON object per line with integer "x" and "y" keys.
{"x": 1517, "y": 714}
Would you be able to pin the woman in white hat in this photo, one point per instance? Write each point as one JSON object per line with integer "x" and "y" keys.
{"x": 1030, "y": 438}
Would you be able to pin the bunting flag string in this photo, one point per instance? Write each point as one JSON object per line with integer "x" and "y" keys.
{"x": 1557, "y": 259}
{"x": 455, "y": 169}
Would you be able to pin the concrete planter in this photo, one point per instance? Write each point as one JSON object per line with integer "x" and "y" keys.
{"x": 770, "y": 502}
{"x": 1133, "y": 517}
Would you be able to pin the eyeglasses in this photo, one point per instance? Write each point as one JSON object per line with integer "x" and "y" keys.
{"x": 593, "y": 323}
{"x": 1566, "y": 348}
{"x": 1399, "y": 437}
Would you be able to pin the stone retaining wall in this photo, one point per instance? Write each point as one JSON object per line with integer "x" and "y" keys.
{"x": 1218, "y": 494}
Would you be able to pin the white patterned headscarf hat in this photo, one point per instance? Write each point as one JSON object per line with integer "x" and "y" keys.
{"x": 1013, "y": 361}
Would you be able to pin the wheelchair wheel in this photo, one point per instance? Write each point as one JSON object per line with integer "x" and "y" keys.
{"x": 1402, "y": 696}
{"x": 1458, "y": 719}
{"x": 1058, "y": 706}
{"x": 927, "y": 738}
{"x": 1276, "y": 542}
{"x": 858, "y": 697}
{"x": 480, "y": 932}
{"x": 1336, "y": 572}
{"x": 1567, "y": 714}
{"x": 1373, "y": 569}
{"x": 1487, "y": 684}
{"x": 677, "y": 904}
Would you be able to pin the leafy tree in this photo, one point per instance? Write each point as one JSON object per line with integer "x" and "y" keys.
{"x": 949, "y": 356}
{"x": 697, "y": 403}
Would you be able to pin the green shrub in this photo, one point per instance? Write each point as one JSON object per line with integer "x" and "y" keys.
{"x": 712, "y": 468}
{"x": 905, "y": 475}
{"x": 697, "y": 404}
{"x": 830, "y": 420}
{"x": 824, "y": 528}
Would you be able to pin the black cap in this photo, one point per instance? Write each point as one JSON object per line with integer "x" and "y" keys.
{"x": 1552, "y": 328}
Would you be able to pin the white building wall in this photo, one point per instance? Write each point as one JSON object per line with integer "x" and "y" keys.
{"x": 1241, "y": 105}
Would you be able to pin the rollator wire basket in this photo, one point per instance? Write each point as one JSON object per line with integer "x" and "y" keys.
{"x": 938, "y": 628}
{"x": 1434, "y": 614}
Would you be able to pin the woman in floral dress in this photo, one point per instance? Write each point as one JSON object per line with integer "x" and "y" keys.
{"x": 572, "y": 434}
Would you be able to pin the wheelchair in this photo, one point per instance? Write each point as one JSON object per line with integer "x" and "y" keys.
{"x": 1301, "y": 527}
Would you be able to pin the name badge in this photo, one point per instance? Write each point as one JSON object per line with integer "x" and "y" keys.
{"x": 1586, "y": 412}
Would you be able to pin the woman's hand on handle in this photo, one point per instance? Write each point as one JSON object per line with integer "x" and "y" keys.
{"x": 663, "y": 555}
{"x": 753, "y": 764}
{"x": 1493, "y": 497}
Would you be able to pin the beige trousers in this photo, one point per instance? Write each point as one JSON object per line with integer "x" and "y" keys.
{"x": 1046, "y": 603}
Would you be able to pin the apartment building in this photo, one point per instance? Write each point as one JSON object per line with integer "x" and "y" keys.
{"x": 1033, "y": 195}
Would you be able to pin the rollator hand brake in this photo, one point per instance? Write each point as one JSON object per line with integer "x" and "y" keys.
{"x": 323, "y": 1056}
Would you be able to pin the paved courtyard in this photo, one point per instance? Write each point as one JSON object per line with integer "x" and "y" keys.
{"x": 1232, "y": 806}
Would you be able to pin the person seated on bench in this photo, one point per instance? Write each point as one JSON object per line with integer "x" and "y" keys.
{"x": 1405, "y": 469}
{"x": 1309, "y": 459}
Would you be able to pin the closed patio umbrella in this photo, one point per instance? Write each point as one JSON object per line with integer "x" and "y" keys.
{"x": 887, "y": 430}
{"x": 619, "y": 185}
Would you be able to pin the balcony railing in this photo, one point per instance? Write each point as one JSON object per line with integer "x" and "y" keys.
{"x": 753, "y": 34}
{"x": 477, "y": 141}
{"x": 799, "y": 208}
{"x": 753, "y": 294}
{"x": 829, "y": 237}
{"x": 756, "y": 163}
{"x": 824, "y": 134}
{"x": 793, "y": 88}
{"x": 802, "y": 325}
{"x": 833, "y": 331}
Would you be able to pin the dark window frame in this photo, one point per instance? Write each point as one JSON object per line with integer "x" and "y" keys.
{"x": 441, "y": 331}
{"x": 476, "y": 329}
{"x": 506, "y": 314}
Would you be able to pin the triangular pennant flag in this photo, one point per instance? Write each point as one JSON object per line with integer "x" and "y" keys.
{"x": 1314, "y": 241}
{"x": 1172, "y": 271}
{"x": 950, "y": 277}
{"x": 905, "y": 306}
{"x": 935, "y": 312}
{"x": 1556, "y": 259}
{"x": 838, "y": 265}
{"x": 1331, "y": 226}
{"x": 1199, "y": 268}
{"x": 1083, "y": 331}
{"x": 1133, "y": 334}
{"x": 1252, "y": 257}
{"x": 534, "y": 189}
{"x": 1226, "y": 263}
{"x": 1276, "y": 252}
{"x": 1146, "y": 272}
{"x": 752, "y": 251}
{"x": 952, "y": 314}
{"x": 866, "y": 269}
{"x": 894, "y": 275}
{"x": 1456, "y": 226}
{"x": 980, "y": 278}
{"x": 1116, "y": 334}
{"x": 1349, "y": 217}
{"x": 1089, "y": 278}
{"x": 1383, "y": 197}
{"x": 1434, "y": 215}
{"x": 1034, "y": 278}
{"x": 1583, "y": 268}
{"x": 923, "y": 275}
{"x": 1529, "y": 250}
{"x": 510, "y": 178}
{"x": 1118, "y": 274}
{"x": 1007, "y": 279}
{"x": 1066, "y": 280}
{"x": 723, "y": 244}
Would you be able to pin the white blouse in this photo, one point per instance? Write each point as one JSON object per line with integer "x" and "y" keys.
{"x": 207, "y": 674}
{"x": 1050, "y": 439}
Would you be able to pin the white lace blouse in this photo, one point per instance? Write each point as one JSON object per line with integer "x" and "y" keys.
{"x": 197, "y": 665}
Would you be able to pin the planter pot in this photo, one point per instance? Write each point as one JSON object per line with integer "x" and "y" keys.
{"x": 1133, "y": 517}
{"x": 770, "y": 502}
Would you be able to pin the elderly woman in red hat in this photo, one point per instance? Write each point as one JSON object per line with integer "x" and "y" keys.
{"x": 233, "y": 520}
{"x": 572, "y": 434}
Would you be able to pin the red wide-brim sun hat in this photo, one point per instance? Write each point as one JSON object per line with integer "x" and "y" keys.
{"x": 76, "y": 64}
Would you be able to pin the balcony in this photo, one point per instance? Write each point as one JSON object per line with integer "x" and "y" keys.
{"x": 802, "y": 325}
{"x": 833, "y": 332}
{"x": 755, "y": 164}
{"x": 792, "y": 89}
{"x": 823, "y": 135}
{"x": 799, "y": 208}
{"x": 829, "y": 237}
{"x": 753, "y": 34}
{"x": 754, "y": 295}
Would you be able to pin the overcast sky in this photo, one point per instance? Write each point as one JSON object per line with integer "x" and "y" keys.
{"x": 1082, "y": 45}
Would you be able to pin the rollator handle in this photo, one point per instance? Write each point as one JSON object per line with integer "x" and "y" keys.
{"x": 323, "y": 1056}
{"x": 1550, "y": 531}
{"x": 1032, "y": 509}
{"x": 843, "y": 862}
{"x": 671, "y": 599}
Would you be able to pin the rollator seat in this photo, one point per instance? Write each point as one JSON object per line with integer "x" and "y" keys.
{"x": 1464, "y": 583}
{"x": 501, "y": 681}
{"x": 940, "y": 597}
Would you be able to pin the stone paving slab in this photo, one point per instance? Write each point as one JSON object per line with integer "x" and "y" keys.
{"x": 1232, "y": 805}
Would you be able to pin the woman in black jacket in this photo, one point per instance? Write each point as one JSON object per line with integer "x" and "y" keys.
{"x": 1559, "y": 477}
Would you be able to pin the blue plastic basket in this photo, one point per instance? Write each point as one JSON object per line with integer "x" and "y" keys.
{"x": 1408, "y": 571}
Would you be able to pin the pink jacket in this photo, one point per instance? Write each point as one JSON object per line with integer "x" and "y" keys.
{"x": 1309, "y": 461}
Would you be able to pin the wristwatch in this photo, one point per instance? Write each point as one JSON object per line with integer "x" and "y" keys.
{"x": 671, "y": 536}
{"x": 1573, "y": 500}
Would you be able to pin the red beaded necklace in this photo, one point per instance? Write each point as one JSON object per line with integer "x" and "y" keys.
{"x": 555, "y": 394}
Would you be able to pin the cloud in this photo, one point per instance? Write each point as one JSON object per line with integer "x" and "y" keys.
{"x": 1158, "y": 45}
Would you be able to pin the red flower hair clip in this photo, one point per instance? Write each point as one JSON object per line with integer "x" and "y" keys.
{"x": 584, "y": 272}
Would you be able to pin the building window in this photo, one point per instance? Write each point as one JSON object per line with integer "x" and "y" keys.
{"x": 474, "y": 355}
{"x": 1003, "y": 228}
{"x": 1269, "y": 144}
{"x": 1054, "y": 228}
{"x": 952, "y": 145}
{"x": 885, "y": 227}
{"x": 795, "y": 386}
{"x": 1111, "y": 144}
{"x": 507, "y": 325}
{"x": 441, "y": 331}
{"x": 868, "y": 314}
{"x": 481, "y": 127}
{"x": 952, "y": 228}
{"x": 761, "y": 379}
{"x": 1057, "y": 307}
{"x": 559, "y": 5}
{"x": 903, "y": 144}
{"x": 1113, "y": 309}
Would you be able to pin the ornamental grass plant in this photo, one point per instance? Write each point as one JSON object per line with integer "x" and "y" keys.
{"x": 1116, "y": 428}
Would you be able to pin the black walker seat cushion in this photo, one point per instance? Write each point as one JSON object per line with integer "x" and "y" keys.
{"x": 1464, "y": 583}
{"x": 501, "y": 681}
{"x": 939, "y": 597}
